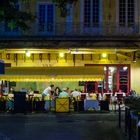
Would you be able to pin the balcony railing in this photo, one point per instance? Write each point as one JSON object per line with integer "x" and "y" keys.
{"x": 73, "y": 29}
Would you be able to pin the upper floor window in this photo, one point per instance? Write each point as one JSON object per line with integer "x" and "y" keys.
{"x": 91, "y": 13}
{"x": 46, "y": 17}
{"x": 126, "y": 12}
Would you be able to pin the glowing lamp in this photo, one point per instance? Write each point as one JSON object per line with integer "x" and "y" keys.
{"x": 104, "y": 55}
{"x": 28, "y": 54}
{"x": 61, "y": 55}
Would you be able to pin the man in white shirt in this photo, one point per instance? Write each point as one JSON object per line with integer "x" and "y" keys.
{"x": 47, "y": 91}
{"x": 47, "y": 97}
{"x": 76, "y": 93}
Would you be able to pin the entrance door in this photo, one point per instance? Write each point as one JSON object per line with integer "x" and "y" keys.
{"x": 117, "y": 78}
{"x": 91, "y": 86}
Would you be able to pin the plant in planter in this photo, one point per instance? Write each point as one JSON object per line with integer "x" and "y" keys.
{"x": 133, "y": 102}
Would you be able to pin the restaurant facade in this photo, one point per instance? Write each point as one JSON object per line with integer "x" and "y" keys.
{"x": 95, "y": 47}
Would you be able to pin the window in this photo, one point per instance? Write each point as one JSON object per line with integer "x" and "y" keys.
{"x": 91, "y": 13}
{"x": 126, "y": 12}
{"x": 46, "y": 17}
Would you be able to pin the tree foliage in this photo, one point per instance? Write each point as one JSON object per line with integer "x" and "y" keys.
{"x": 14, "y": 16}
{"x": 62, "y": 5}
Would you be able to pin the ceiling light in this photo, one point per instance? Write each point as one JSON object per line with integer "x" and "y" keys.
{"x": 61, "y": 55}
{"x": 104, "y": 55}
{"x": 28, "y": 54}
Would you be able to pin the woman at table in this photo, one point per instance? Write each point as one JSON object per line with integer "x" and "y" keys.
{"x": 57, "y": 91}
{"x": 93, "y": 95}
{"x": 64, "y": 93}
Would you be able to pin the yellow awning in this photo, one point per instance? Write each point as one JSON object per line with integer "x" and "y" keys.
{"x": 88, "y": 70}
{"x": 95, "y": 73}
{"x": 41, "y": 78}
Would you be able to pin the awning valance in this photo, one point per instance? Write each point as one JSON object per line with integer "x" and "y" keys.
{"x": 41, "y": 78}
{"x": 89, "y": 70}
{"x": 95, "y": 73}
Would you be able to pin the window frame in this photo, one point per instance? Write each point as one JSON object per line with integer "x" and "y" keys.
{"x": 126, "y": 23}
{"x": 91, "y": 29}
{"x": 46, "y": 32}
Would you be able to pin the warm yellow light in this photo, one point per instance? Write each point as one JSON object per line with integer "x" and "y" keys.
{"x": 104, "y": 55}
{"x": 28, "y": 54}
{"x": 61, "y": 54}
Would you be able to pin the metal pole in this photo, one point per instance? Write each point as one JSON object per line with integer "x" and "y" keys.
{"x": 119, "y": 116}
{"x": 138, "y": 125}
{"x": 129, "y": 125}
{"x": 126, "y": 119}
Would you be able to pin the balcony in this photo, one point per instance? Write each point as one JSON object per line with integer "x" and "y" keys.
{"x": 72, "y": 31}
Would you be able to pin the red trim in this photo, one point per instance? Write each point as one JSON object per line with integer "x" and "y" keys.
{"x": 129, "y": 79}
{"x": 106, "y": 78}
{"x": 117, "y": 75}
{"x": 118, "y": 79}
{"x": 96, "y": 86}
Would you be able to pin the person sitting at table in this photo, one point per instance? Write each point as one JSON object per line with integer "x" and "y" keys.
{"x": 76, "y": 94}
{"x": 10, "y": 102}
{"x": 30, "y": 91}
{"x": 57, "y": 91}
{"x": 63, "y": 94}
{"x": 30, "y": 94}
{"x": 92, "y": 96}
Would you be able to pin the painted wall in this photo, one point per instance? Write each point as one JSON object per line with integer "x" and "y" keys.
{"x": 108, "y": 16}
{"x": 40, "y": 86}
{"x": 135, "y": 76}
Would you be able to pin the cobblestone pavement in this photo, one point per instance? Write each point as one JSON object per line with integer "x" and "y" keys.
{"x": 60, "y": 126}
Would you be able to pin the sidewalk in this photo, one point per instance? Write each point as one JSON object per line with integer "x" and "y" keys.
{"x": 66, "y": 126}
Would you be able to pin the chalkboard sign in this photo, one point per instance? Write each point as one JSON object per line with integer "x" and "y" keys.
{"x": 19, "y": 102}
{"x": 13, "y": 84}
{"x": 2, "y": 69}
{"x": 82, "y": 83}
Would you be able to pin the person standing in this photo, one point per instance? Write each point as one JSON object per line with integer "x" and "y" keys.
{"x": 47, "y": 96}
{"x": 48, "y": 90}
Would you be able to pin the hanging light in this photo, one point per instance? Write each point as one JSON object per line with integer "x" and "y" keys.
{"x": 104, "y": 55}
{"x": 28, "y": 54}
{"x": 61, "y": 55}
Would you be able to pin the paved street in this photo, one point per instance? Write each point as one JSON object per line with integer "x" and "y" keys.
{"x": 49, "y": 126}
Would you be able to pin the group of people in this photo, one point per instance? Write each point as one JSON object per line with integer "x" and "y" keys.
{"x": 51, "y": 92}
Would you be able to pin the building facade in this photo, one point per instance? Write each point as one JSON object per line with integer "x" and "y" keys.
{"x": 91, "y": 28}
